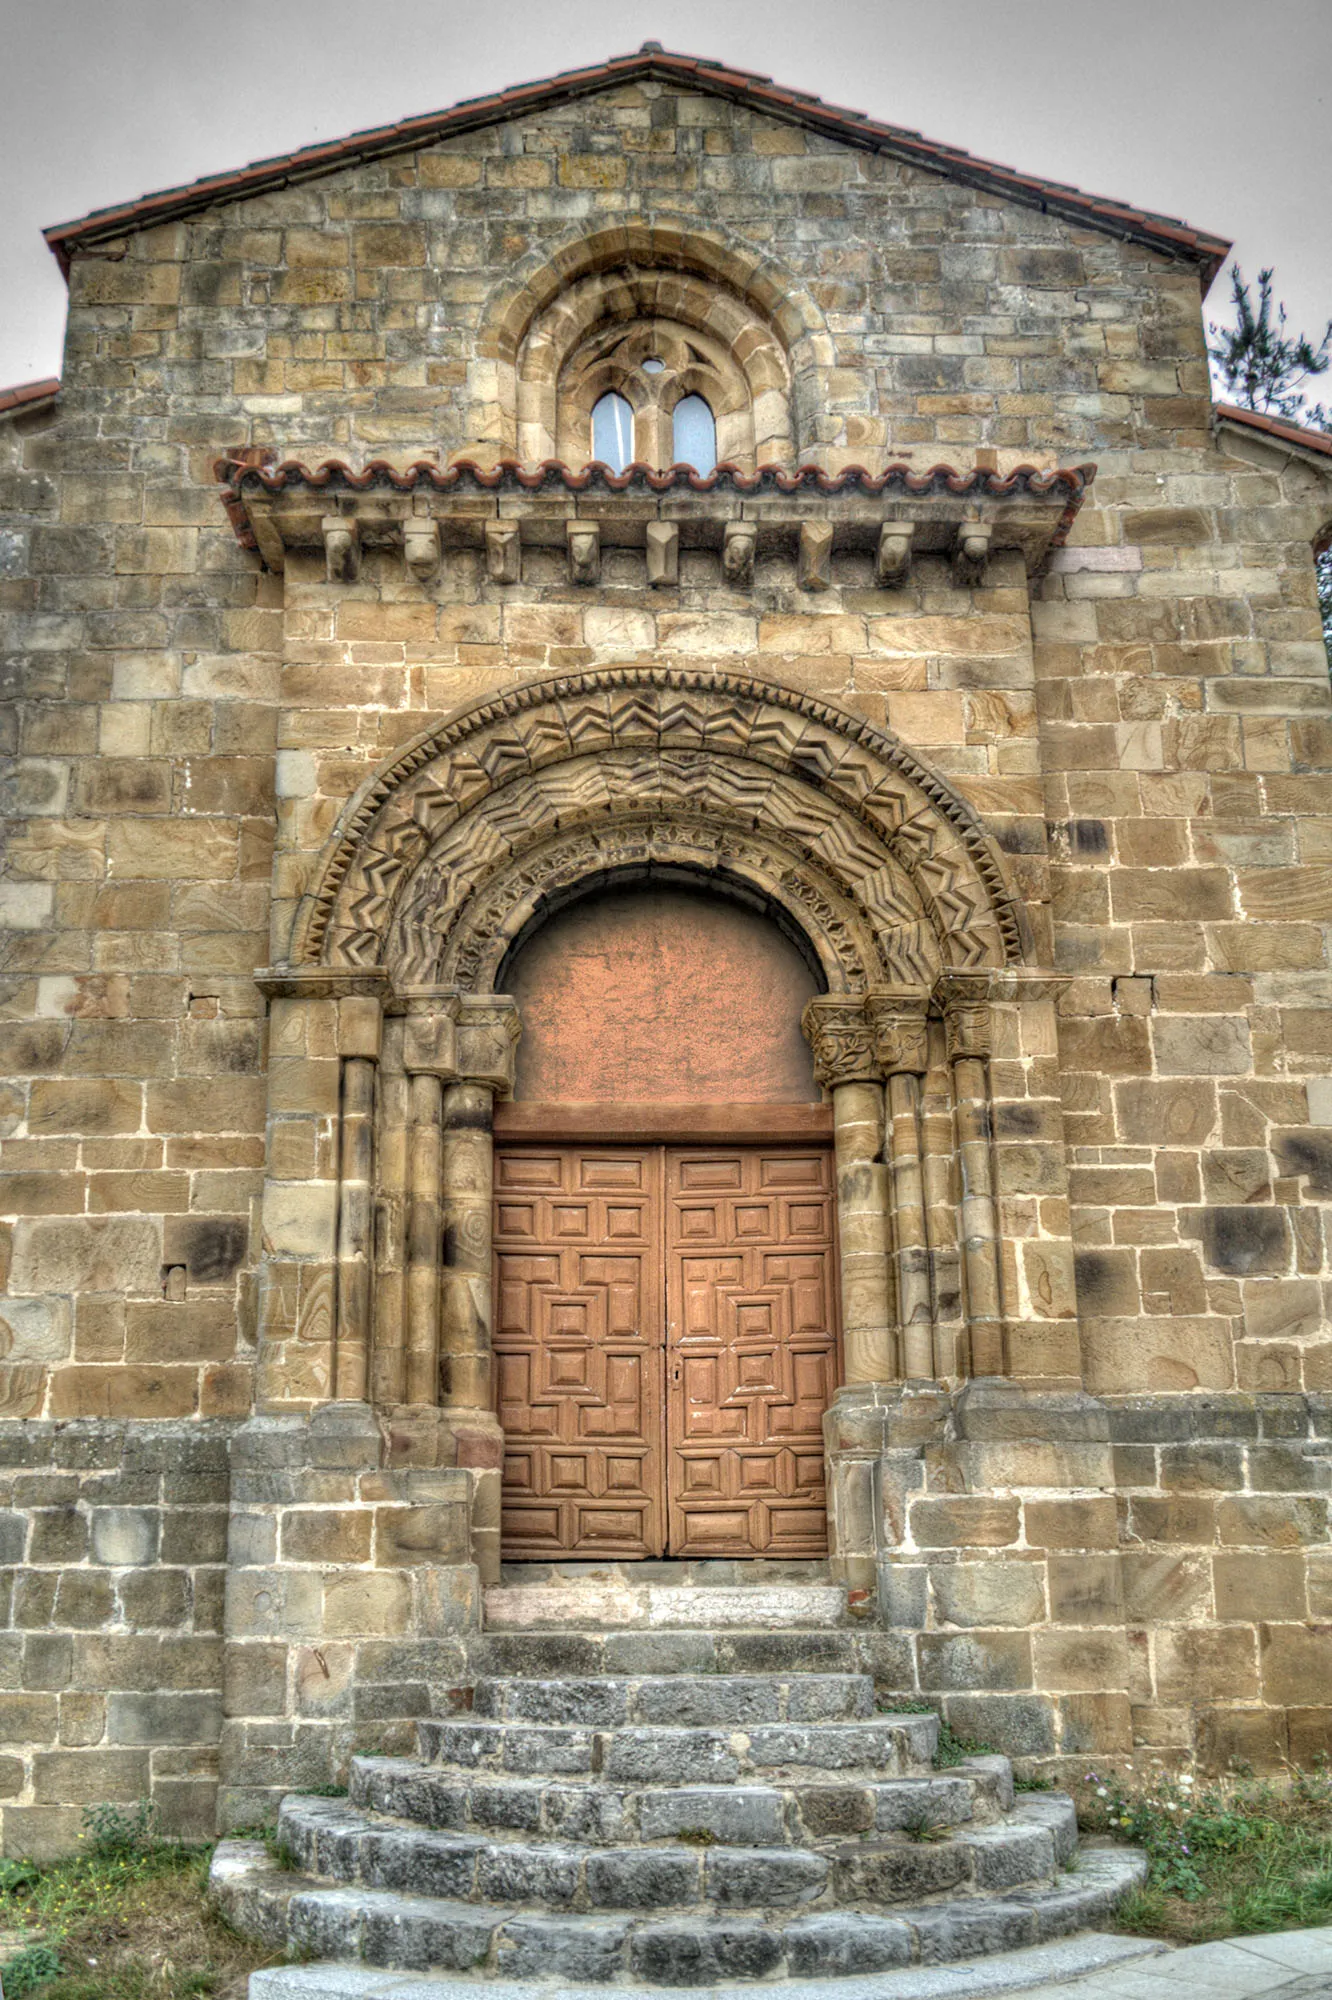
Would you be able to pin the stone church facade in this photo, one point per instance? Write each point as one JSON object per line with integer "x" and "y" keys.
{"x": 767, "y": 1015}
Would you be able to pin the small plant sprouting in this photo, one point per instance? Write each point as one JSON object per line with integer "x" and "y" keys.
{"x": 697, "y": 1836}
{"x": 919, "y": 1826}
{"x": 30, "y": 1968}
{"x": 112, "y": 1831}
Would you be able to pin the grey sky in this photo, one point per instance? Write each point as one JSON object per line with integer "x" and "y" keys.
{"x": 1214, "y": 110}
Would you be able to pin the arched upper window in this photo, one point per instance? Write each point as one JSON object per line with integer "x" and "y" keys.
{"x": 694, "y": 433}
{"x": 613, "y": 431}
{"x": 656, "y": 367}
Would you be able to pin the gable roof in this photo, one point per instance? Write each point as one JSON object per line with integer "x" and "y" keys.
{"x": 27, "y": 395}
{"x": 1279, "y": 428}
{"x": 757, "y": 93}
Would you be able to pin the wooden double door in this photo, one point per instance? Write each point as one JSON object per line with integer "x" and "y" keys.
{"x": 665, "y": 1348}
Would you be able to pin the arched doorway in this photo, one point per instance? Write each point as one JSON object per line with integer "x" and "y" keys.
{"x": 458, "y": 857}
{"x": 665, "y": 1307}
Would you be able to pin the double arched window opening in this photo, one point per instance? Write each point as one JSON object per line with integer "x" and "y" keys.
{"x": 692, "y": 430}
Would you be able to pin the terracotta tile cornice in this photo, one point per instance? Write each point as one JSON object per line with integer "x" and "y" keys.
{"x": 759, "y": 93}
{"x": 1276, "y": 427}
{"x": 25, "y": 395}
{"x": 246, "y": 475}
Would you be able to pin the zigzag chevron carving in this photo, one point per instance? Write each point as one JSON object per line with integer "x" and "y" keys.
{"x": 797, "y": 791}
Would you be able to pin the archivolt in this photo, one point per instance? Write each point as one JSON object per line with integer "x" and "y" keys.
{"x": 438, "y": 859}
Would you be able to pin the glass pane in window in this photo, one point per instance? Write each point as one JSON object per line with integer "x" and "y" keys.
{"x": 695, "y": 434}
{"x": 613, "y": 432}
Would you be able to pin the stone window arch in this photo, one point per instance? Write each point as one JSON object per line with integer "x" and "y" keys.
{"x": 656, "y": 338}
{"x": 656, "y": 366}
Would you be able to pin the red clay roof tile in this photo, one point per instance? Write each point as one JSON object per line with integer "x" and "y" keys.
{"x": 1161, "y": 232}
{"x": 1277, "y": 427}
{"x": 22, "y": 393}
{"x": 246, "y": 467}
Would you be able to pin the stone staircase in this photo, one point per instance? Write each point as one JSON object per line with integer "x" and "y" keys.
{"x": 687, "y": 1800}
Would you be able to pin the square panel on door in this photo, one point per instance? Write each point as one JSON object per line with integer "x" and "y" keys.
{"x": 751, "y": 1350}
{"x": 578, "y": 1351}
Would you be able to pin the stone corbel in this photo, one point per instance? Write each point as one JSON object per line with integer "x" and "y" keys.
{"x": 739, "y": 540}
{"x": 892, "y": 562}
{"x": 972, "y": 553}
{"x": 814, "y": 562}
{"x": 342, "y": 547}
{"x": 420, "y": 542}
{"x": 663, "y": 554}
{"x": 584, "y": 539}
{"x": 504, "y": 551}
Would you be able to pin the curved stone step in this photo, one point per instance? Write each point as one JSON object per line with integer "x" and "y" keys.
{"x": 389, "y": 1929}
{"x": 332, "y": 1840}
{"x": 745, "y": 1650}
{"x": 884, "y": 1746}
{"x": 605, "y": 1701}
{"x": 760, "y": 1815}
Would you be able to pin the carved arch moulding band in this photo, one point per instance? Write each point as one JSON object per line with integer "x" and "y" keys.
{"x": 441, "y": 857}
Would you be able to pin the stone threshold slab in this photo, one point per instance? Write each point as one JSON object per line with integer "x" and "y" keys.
{"x": 579, "y": 1605}
{"x": 1004, "y": 1972}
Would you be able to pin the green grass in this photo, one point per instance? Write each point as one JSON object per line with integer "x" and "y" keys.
{"x": 1230, "y": 1859}
{"x": 126, "y": 1918}
{"x": 950, "y": 1749}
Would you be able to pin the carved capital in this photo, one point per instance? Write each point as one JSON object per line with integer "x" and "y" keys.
{"x": 898, "y": 1024}
{"x": 430, "y": 1035}
{"x": 488, "y": 1031}
{"x": 970, "y": 1029}
{"x": 835, "y": 1027}
{"x": 965, "y": 998}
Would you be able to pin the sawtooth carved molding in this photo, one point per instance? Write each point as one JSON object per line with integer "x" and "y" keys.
{"x": 843, "y": 809}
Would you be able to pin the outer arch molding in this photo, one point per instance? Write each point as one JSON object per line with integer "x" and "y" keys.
{"x": 874, "y": 782}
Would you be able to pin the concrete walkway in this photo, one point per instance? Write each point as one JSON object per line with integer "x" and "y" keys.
{"x": 1292, "y": 1965}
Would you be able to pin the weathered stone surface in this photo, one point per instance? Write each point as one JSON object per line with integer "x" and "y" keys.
{"x": 1113, "y": 768}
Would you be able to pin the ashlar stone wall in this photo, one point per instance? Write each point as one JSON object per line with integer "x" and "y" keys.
{"x": 1145, "y": 730}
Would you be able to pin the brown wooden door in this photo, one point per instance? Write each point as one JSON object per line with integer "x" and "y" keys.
{"x": 578, "y": 1350}
{"x": 665, "y": 1349}
{"x": 751, "y": 1350}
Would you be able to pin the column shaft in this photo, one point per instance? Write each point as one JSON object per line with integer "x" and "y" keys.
{"x": 355, "y": 1160}
{"x": 423, "y": 1240}
{"x": 862, "y": 1221}
{"x": 388, "y": 1356}
{"x": 911, "y": 1244}
{"x": 467, "y": 1314}
{"x": 980, "y": 1227}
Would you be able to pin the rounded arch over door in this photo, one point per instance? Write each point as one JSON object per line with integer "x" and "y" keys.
{"x": 443, "y": 857}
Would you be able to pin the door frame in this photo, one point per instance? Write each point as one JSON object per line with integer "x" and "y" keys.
{"x": 520, "y": 1126}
